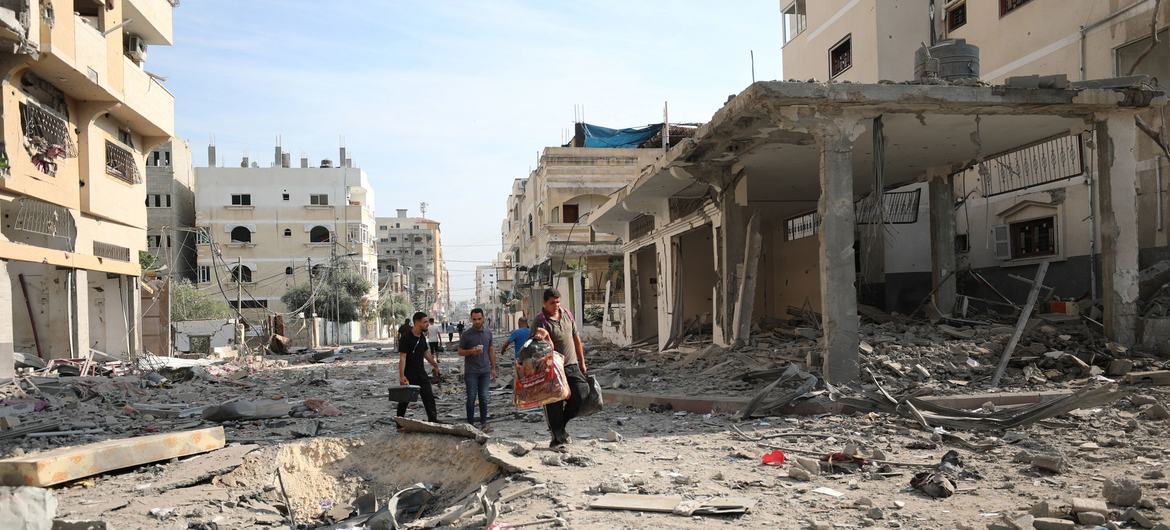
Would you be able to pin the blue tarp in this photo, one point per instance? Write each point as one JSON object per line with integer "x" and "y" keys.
{"x": 598, "y": 136}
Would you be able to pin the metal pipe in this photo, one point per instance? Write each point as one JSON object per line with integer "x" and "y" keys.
{"x": 1158, "y": 190}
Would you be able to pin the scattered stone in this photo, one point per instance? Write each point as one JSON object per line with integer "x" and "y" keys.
{"x": 1133, "y": 515}
{"x": 552, "y": 460}
{"x": 799, "y": 473}
{"x": 1119, "y": 367}
{"x": 1156, "y": 412}
{"x": 1091, "y": 518}
{"x": 1050, "y": 462}
{"x": 1045, "y": 509}
{"x": 613, "y": 436}
{"x": 1122, "y": 491}
{"x": 613, "y": 486}
{"x": 1139, "y": 400}
{"x": 1052, "y": 523}
{"x": 1082, "y": 505}
{"x": 521, "y": 448}
{"x": 875, "y": 513}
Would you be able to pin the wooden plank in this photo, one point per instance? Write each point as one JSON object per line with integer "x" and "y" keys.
{"x": 637, "y": 503}
{"x": 1025, "y": 314}
{"x": 72, "y": 463}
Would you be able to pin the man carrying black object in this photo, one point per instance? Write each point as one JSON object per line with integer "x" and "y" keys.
{"x": 562, "y": 333}
{"x": 412, "y": 350}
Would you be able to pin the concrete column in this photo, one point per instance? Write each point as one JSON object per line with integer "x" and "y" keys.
{"x": 731, "y": 252}
{"x": 628, "y": 307}
{"x": 837, "y": 272}
{"x": 81, "y": 311}
{"x": 942, "y": 240}
{"x": 1117, "y": 186}
{"x": 6, "y": 351}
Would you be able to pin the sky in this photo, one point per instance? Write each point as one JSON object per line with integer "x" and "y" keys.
{"x": 447, "y": 102}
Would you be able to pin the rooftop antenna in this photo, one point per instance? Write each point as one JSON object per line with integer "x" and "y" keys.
{"x": 752, "y": 53}
{"x": 422, "y": 208}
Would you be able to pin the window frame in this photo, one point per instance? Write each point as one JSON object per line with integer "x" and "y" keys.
{"x": 203, "y": 274}
{"x": 846, "y": 40}
{"x": 1014, "y": 234}
{"x": 947, "y": 15}
{"x": 318, "y": 199}
{"x": 1004, "y": 10}
{"x": 241, "y": 200}
{"x": 801, "y": 17}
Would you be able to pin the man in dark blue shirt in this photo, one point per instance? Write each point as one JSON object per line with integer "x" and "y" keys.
{"x": 479, "y": 366}
{"x": 518, "y": 337}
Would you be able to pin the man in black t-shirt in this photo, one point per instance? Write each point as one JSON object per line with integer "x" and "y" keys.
{"x": 412, "y": 351}
{"x": 403, "y": 330}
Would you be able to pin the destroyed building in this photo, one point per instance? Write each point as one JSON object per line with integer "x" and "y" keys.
{"x": 80, "y": 113}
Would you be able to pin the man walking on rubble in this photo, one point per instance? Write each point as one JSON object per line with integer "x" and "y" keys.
{"x": 412, "y": 351}
{"x": 435, "y": 338}
{"x": 562, "y": 333}
{"x": 479, "y": 367}
{"x": 518, "y": 337}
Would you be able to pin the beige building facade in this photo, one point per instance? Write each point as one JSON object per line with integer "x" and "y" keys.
{"x": 79, "y": 116}
{"x": 263, "y": 231}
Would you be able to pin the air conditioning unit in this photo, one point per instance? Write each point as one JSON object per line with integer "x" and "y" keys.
{"x": 134, "y": 47}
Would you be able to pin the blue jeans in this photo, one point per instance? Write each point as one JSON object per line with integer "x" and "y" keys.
{"x": 477, "y": 387}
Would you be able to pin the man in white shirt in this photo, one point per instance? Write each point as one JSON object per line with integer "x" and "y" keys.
{"x": 435, "y": 338}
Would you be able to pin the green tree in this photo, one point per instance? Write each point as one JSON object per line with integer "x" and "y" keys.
{"x": 188, "y": 303}
{"x": 394, "y": 308}
{"x": 341, "y": 295}
{"x": 148, "y": 261}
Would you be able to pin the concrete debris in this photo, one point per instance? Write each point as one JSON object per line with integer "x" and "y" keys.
{"x": 1122, "y": 491}
{"x": 27, "y": 508}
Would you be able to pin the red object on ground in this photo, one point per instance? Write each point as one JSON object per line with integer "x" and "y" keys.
{"x": 775, "y": 458}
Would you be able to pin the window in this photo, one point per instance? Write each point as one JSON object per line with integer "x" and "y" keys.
{"x": 242, "y": 274}
{"x": 1033, "y": 238}
{"x": 158, "y": 200}
{"x": 288, "y": 270}
{"x": 393, "y": 238}
{"x": 571, "y": 213}
{"x": 249, "y": 304}
{"x": 384, "y": 240}
{"x": 801, "y": 226}
{"x": 284, "y": 196}
{"x": 418, "y": 239}
{"x": 841, "y": 57}
{"x": 794, "y": 20}
{"x": 382, "y": 228}
{"x": 204, "y": 274}
{"x": 956, "y": 16}
{"x": 1156, "y": 64}
{"x": 241, "y": 234}
{"x": 153, "y": 241}
{"x": 962, "y": 243}
{"x": 287, "y": 232}
{"x": 120, "y": 164}
{"x": 429, "y": 238}
{"x": 418, "y": 253}
{"x": 319, "y": 234}
{"x": 1007, "y": 6}
{"x": 319, "y": 199}
{"x": 202, "y": 236}
{"x": 397, "y": 225}
{"x": 241, "y": 199}
{"x": 529, "y": 225}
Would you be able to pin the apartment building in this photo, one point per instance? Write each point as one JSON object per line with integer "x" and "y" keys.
{"x": 170, "y": 208}
{"x": 1028, "y": 203}
{"x": 410, "y": 253}
{"x": 79, "y": 114}
{"x": 546, "y": 231}
{"x": 265, "y": 230}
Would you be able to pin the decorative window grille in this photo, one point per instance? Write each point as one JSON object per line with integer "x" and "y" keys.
{"x": 120, "y": 164}
{"x": 110, "y": 250}
{"x": 900, "y": 207}
{"x": 1049, "y": 161}
{"x": 801, "y": 226}
{"x": 39, "y": 217}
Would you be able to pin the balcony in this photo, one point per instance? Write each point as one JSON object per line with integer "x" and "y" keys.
{"x": 150, "y": 19}
{"x": 570, "y": 240}
{"x": 147, "y": 105}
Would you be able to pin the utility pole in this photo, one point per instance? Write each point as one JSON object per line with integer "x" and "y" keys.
{"x": 170, "y": 283}
{"x": 239, "y": 302}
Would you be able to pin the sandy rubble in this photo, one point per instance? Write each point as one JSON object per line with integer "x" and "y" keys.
{"x": 696, "y": 456}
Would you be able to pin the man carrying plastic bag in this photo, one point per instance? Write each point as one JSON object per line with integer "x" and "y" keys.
{"x": 556, "y": 325}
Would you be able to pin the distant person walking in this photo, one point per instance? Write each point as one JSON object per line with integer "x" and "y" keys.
{"x": 479, "y": 367}
{"x": 412, "y": 351}
{"x": 435, "y": 338}
{"x": 518, "y": 337}
{"x": 459, "y": 328}
{"x": 562, "y": 333}
{"x": 450, "y": 332}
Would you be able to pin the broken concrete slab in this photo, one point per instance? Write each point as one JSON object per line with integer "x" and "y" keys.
{"x": 638, "y": 503}
{"x": 25, "y": 508}
{"x": 201, "y": 468}
{"x": 247, "y": 410}
{"x": 71, "y": 463}
{"x": 462, "y": 430}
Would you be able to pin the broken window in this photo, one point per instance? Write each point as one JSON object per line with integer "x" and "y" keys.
{"x": 120, "y": 163}
{"x": 46, "y": 137}
{"x": 241, "y": 234}
{"x": 1156, "y": 64}
{"x": 319, "y": 199}
{"x": 287, "y": 232}
{"x": 1007, "y": 6}
{"x": 841, "y": 56}
{"x": 202, "y": 236}
{"x": 571, "y": 213}
{"x": 962, "y": 243}
{"x": 241, "y": 199}
{"x": 795, "y": 20}
{"x": 242, "y": 274}
{"x": 1033, "y": 238}
{"x": 801, "y": 226}
{"x": 153, "y": 241}
{"x": 204, "y": 275}
{"x": 319, "y": 234}
{"x": 1041, "y": 163}
{"x": 956, "y": 16}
